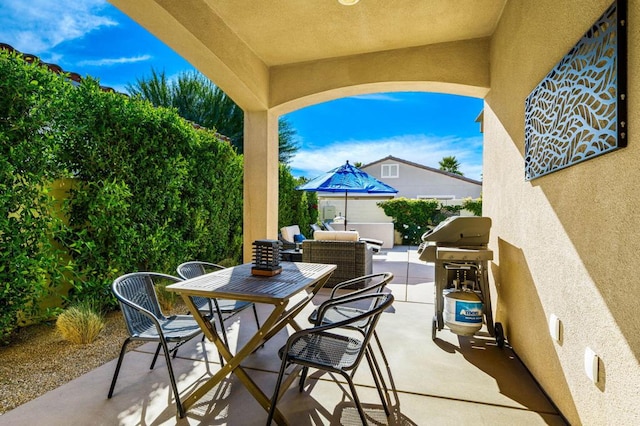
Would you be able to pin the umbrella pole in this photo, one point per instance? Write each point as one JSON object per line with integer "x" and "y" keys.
{"x": 345, "y": 210}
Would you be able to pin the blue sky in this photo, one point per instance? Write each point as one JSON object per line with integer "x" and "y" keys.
{"x": 91, "y": 37}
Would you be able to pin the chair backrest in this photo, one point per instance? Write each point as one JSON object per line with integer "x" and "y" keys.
{"x": 289, "y": 232}
{"x": 137, "y": 297}
{"x": 379, "y": 302}
{"x": 195, "y": 268}
{"x": 372, "y": 283}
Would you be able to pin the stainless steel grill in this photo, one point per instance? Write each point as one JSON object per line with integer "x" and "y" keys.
{"x": 458, "y": 248}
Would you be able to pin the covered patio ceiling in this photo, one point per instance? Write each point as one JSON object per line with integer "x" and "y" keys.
{"x": 243, "y": 46}
{"x": 275, "y": 56}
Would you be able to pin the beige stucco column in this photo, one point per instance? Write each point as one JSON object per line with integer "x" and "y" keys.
{"x": 260, "y": 213}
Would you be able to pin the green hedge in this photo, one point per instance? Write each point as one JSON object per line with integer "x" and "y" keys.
{"x": 295, "y": 207}
{"x": 148, "y": 191}
{"x": 412, "y": 218}
{"x": 31, "y": 101}
{"x": 474, "y": 206}
{"x": 151, "y": 191}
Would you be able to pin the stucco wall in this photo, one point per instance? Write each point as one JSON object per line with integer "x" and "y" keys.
{"x": 567, "y": 243}
{"x": 458, "y": 67}
{"x": 414, "y": 181}
{"x": 359, "y": 208}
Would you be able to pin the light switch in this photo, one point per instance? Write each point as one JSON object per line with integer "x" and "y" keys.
{"x": 591, "y": 364}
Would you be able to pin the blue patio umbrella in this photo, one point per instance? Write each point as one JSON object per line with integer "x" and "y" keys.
{"x": 347, "y": 178}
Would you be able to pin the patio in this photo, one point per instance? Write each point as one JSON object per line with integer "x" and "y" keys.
{"x": 452, "y": 381}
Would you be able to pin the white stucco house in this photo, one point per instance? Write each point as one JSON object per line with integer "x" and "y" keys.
{"x": 413, "y": 180}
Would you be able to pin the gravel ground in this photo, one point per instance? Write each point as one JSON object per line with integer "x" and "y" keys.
{"x": 39, "y": 360}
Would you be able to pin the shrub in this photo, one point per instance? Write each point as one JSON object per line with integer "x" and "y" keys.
{"x": 227, "y": 263}
{"x": 151, "y": 191}
{"x": 167, "y": 299}
{"x": 80, "y": 323}
{"x": 295, "y": 207}
{"x": 412, "y": 217}
{"x": 31, "y": 102}
{"x": 474, "y": 206}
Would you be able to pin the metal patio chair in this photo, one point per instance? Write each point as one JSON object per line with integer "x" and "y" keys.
{"x": 333, "y": 348}
{"x": 373, "y": 283}
{"x": 146, "y": 322}
{"x": 223, "y": 308}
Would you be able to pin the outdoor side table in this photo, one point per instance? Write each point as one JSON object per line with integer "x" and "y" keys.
{"x": 291, "y": 255}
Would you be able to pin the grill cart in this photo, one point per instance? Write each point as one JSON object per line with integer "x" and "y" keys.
{"x": 458, "y": 248}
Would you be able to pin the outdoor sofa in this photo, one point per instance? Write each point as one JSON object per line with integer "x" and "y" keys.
{"x": 353, "y": 257}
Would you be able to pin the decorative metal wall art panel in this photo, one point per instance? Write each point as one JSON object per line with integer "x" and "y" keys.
{"x": 578, "y": 111}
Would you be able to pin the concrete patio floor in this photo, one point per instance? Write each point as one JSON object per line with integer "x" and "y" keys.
{"x": 454, "y": 380}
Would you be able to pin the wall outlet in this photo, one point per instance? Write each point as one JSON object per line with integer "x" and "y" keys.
{"x": 554, "y": 327}
{"x": 591, "y": 362}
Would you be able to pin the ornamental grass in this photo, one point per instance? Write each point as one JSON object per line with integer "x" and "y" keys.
{"x": 80, "y": 323}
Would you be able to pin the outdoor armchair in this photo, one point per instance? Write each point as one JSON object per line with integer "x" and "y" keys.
{"x": 146, "y": 322}
{"x": 223, "y": 308}
{"x": 332, "y": 348}
{"x": 290, "y": 236}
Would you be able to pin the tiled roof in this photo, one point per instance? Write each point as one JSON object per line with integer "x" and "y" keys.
{"x": 74, "y": 76}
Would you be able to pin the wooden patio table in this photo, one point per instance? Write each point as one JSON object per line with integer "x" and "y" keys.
{"x": 238, "y": 283}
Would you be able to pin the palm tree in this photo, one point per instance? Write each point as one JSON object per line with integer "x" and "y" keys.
{"x": 286, "y": 141}
{"x": 450, "y": 164}
{"x": 198, "y": 100}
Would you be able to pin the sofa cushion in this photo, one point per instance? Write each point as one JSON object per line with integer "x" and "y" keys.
{"x": 289, "y": 232}
{"x": 336, "y": 235}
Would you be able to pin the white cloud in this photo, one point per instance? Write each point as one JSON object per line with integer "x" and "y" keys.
{"x": 35, "y": 26}
{"x": 114, "y": 61}
{"x": 387, "y": 97}
{"x": 421, "y": 149}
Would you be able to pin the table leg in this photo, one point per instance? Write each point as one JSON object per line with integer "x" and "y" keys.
{"x": 232, "y": 365}
{"x": 290, "y": 315}
{"x": 276, "y": 321}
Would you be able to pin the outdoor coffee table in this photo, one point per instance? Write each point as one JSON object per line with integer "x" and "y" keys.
{"x": 238, "y": 283}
